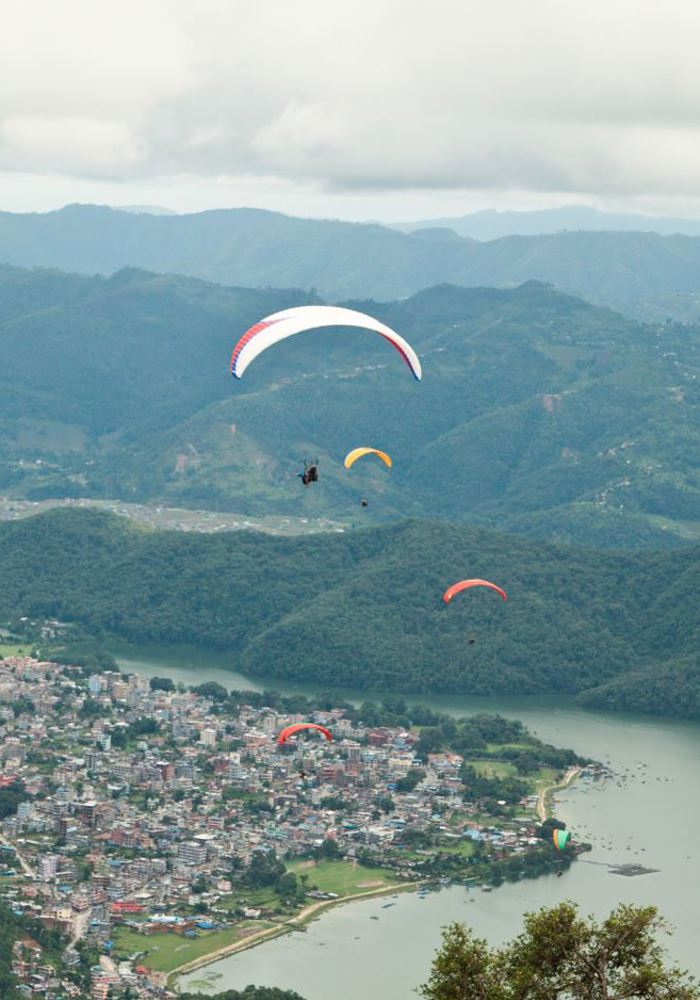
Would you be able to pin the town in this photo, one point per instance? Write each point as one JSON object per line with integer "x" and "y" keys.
{"x": 146, "y": 827}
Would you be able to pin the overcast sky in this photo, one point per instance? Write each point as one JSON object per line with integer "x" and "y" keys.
{"x": 386, "y": 109}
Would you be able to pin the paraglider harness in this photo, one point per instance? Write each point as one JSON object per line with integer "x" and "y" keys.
{"x": 310, "y": 473}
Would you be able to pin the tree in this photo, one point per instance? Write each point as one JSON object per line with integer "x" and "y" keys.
{"x": 328, "y": 850}
{"x": 264, "y": 870}
{"x": 161, "y": 684}
{"x": 385, "y": 803}
{"x": 560, "y": 956}
{"x": 408, "y": 783}
{"x": 10, "y": 797}
{"x": 463, "y": 969}
{"x": 210, "y": 689}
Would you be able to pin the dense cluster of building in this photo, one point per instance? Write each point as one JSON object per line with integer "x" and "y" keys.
{"x": 136, "y": 808}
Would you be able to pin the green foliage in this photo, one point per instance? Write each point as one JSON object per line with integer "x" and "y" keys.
{"x": 335, "y": 802}
{"x": 145, "y": 726}
{"x": 328, "y": 850}
{"x": 463, "y": 969}
{"x": 12, "y": 928}
{"x": 88, "y": 655}
{"x": 671, "y": 689}
{"x": 478, "y": 787}
{"x": 161, "y": 684}
{"x": 542, "y": 415}
{"x": 212, "y": 690}
{"x": 560, "y": 956}
{"x": 91, "y": 709}
{"x": 575, "y": 619}
{"x": 22, "y": 706}
{"x": 263, "y": 871}
{"x": 409, "y": 782}
{"x": 10, "y": 798}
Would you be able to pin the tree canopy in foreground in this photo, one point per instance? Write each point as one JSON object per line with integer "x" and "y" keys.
{"x": 562, "y": 956}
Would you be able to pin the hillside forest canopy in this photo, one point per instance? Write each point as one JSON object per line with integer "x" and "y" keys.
{"x": 364, "y": 609}
{"x": 539, "y": 414}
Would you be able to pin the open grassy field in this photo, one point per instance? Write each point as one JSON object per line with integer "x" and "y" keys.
{"x": 260, "y": 898}
{"x": 463, "y": 848}
{"x": 15, "y": 649}
{"x": 165, "y": 952}
{"x": 342, "y": 877}
{"x": 545, "y": 777}
{"x": 493, "y": 768}
{"x": 497, "y": 747}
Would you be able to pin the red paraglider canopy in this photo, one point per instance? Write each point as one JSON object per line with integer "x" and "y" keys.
{"x": 456, "y": 588}
{"x": 297, "y": 727}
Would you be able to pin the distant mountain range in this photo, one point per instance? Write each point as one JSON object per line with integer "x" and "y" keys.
{"x": 538, "y": 413}
{"x": 492, "y": 225}
{"x": 363, "y": 610}
{"x": 145, "y": 209}
{"x": 642, "y": 274}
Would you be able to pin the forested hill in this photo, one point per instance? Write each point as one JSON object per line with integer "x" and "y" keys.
{"x": 640, "y": 273}
{"x": 538, "y": 413}
{"x": 364, "y": 609}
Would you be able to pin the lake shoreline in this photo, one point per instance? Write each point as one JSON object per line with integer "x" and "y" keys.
{"x": 544, "y": 805}
{"x": 298, "y": 922}
{"x": 623, "y": 820}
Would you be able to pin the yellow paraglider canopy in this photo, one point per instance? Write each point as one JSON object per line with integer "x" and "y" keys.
{"x": 352, "y": 456}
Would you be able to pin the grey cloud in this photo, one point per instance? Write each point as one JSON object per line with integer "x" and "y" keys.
{"x": 359, "y": 94}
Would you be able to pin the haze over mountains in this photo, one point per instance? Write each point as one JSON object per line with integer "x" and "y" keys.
{"x": 642, "y": 274}
{"x": 491, "y": 224}
{"x": 539, "y": 413}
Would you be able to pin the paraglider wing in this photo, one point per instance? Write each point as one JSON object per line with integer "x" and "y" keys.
{"x": 457, "y": 588}
{"x": 289, "y": 322}
{"x": 560, "y": 838}
{"x": 352, "y": 456}
{"x": 297, "y": 727}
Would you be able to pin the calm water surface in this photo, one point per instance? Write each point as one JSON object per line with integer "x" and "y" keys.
{"x": 649, "y": 814}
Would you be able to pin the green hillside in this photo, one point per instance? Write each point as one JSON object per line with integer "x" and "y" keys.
{"x": 640, "y": 273}
{"x": 364, "y": 609}
{"x": 538, "y": 414}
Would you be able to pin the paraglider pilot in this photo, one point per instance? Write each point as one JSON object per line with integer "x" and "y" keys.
{"x": 309, "y": 475}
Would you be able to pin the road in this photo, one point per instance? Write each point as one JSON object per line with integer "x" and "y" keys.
{"x": 542, "y": 798}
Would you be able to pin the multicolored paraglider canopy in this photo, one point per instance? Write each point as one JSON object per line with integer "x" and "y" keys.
{"x": 297, "y": 727}
{"x": 289, "y": 322}
{"x": 457, "y": 588}
{"x": 352, "y": 456}
{"x": 560, "y": 838}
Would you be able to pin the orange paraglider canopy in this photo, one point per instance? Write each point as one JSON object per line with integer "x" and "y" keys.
{"x": 297, "y": 727}
{"x": 456, "y": 588}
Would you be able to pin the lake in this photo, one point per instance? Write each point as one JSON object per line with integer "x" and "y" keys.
{"x": 649, "y": 813}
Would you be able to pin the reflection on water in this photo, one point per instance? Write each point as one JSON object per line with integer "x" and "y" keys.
{"x": 627, "y": 819}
